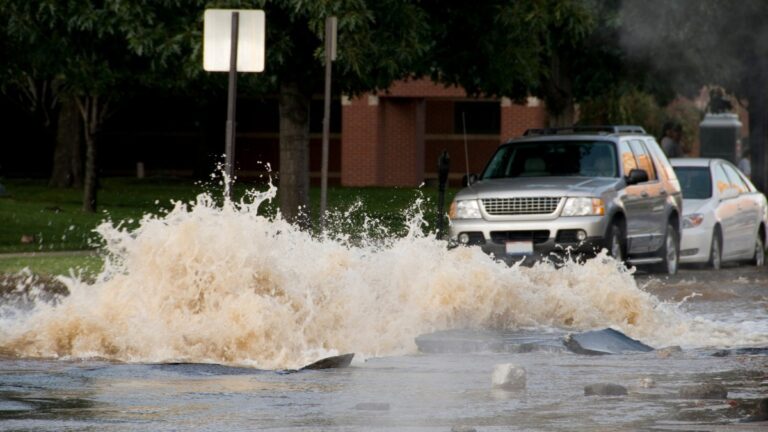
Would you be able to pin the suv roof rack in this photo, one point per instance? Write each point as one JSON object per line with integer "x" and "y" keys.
{"x": 577, "y": 129}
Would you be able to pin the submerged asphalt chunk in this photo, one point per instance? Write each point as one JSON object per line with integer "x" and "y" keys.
{"x": 605, "y": 389}
{"x": 704, "y": 391}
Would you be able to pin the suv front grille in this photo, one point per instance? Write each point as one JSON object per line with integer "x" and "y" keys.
{"x": 520, "y": 206}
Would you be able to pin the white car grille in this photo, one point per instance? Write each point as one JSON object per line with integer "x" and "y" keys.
{"x": 520, "y": 206}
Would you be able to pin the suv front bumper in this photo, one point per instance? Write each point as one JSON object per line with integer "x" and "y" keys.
{"x": 558, "y": 240}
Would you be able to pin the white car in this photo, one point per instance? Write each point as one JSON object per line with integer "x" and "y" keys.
{"x": 724, "y": 216}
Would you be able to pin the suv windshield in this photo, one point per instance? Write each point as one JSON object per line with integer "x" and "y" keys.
{"x": 553, "y": 159}
{"x": 695, "y": 182}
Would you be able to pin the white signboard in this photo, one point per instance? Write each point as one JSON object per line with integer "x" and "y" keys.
{"x": 217, "y": 36}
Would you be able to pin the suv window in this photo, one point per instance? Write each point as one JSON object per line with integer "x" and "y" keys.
{"x": 665, "y": 170}
{"x": 553, "y": 158}
{"x": 643, "y": 158}
{"x": 628, "y": 161}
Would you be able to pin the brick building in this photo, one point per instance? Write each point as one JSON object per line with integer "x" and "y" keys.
{"x": 395, "y": 138}
{"x": 392, "y": 138}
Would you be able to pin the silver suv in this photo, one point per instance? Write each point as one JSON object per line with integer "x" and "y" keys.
{"x": 578, "y": 189}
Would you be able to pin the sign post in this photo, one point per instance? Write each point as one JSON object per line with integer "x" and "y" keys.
{"x": 231, "y": 103}
{"x": 233, "y": 41}
{"x": 330, "y": 56}
{"x": 443, "y": 166}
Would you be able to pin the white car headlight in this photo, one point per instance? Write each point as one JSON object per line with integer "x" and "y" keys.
{"x": 693, "y": 220}
{"x": 464, "y": 209}
{"x": 583, "y": 206}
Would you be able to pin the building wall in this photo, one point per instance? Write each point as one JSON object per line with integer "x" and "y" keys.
{"x": 402, "y": 141}
{"x": 517, "y": 118}
{"x": 361, "y": 146}
{"x": 443, "y": 134}
{"x": 395, "y": 138}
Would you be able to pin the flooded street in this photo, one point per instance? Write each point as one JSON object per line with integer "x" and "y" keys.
{"x": 465, "y": 189}
{"x": 449, "y": 387}
{"x": 183, "y": 332}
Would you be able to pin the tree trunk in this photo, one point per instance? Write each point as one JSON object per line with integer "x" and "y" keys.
{"x": 758, "y": 131}
{"x": 294, "y": 154}
{"x": 89, "y": 185}
{"x": 757, "y": 95}
{"x": 92, "y": 113}
{"x": 559, "y": 93}
{"x": 67, "y": 158}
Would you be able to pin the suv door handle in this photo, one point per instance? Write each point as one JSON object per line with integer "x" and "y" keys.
{"x": 663, "y": 192}
{"x": 644, "y": 194}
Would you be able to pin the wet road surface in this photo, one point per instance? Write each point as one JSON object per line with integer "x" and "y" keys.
{"x": 447, "y": 387}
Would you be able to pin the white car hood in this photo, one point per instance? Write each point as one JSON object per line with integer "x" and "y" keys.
{"x": 691, "y": 206}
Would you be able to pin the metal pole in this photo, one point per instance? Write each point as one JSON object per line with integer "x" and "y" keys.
{"x": 330, "y": 54}
{"x": 466, "y": 149}
{"x": 231, "y": 101}
{"x": 443, "y": 166}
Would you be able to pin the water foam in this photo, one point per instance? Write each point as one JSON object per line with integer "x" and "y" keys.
{"x": 224, "y": 284}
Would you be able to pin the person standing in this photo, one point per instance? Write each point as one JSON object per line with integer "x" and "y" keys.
{"x": 670, "y": 141}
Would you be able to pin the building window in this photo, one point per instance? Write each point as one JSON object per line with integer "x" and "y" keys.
{"x": 317, "y": 111}
{"x": 481, "y": 117}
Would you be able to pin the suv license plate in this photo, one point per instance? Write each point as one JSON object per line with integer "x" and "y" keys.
{"x": 519, "y": 248}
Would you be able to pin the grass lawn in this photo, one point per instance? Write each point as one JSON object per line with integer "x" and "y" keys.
{"x": 52, "y": 220}
{"x": 51, "y": 265}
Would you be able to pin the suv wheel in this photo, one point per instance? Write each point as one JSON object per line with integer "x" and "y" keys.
{"x": 759, "y": 259}
{"x": 616, "y": 242}
{"x": 716, "y": 251}
{"x": 669, "y": 252}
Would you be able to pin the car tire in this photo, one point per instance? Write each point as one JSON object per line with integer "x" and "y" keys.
{"x": 670, "y": 252}
{"x": 616, "y": 242}
{"x": 759, "y": 259}
{"x": 716, "y": 251}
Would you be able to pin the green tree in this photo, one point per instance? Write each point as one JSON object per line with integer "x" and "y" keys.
{"x": 694, "y": 43}
{"x": 378, "y": 42}
{"x": 547, "y": 49}
{"x": 28, "y": 76}
{"x": 100, "y": 52}
{"x": 566, "y": 52}
{"x": 95, "y": 53}
{"x": 623, "y": 106}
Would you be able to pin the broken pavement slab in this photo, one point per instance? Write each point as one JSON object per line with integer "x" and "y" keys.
{"x": 602, "y": 342}
{"x": 333, "y": 362}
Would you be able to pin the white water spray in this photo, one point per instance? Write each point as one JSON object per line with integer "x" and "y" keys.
{"x": 208, "y": 283}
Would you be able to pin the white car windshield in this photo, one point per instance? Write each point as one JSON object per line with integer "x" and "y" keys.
{"x": 553, "y": 159}
{"x": 695, "y": 182}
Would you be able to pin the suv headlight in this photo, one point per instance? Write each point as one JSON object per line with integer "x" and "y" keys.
{"x": 692, "y": 220}
{"x": 581, "y": 206}
{"x": 464, "y": 209}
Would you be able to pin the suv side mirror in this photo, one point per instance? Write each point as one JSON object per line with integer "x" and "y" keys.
{"x": 637, "y": 176}
{"x": 468, "y": 179}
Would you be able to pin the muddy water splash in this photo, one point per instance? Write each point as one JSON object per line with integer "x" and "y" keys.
{"x": 209, "y": 283}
